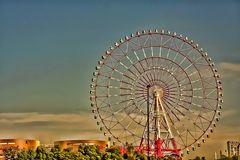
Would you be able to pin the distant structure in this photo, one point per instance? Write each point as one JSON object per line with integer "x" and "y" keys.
{"x": 74, "y": 144}
{"x": 233, "y": 148}
{"x": 17, "y": 144}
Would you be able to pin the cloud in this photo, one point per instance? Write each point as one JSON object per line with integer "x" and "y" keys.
{"x": 230, "y": 67}
{"x": 230, "y": 70}
{"x": 49, "y": 127}
{"x": 44, "y": 117}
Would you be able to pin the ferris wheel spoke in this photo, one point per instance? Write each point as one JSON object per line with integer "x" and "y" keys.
{"x": 211, "y": 84}
{"x": 183, "y": 142}
{"x": 189, "y": 52}
{"x": 170, "y": 80}
{"x": 200, "y": 128}
{"x": 187, "y": 109}
{"x": 130, "y": 84}
{"x": 213, "y": 108}
{"x": 151, "y": 51}
{"x": 100, "y": 107}
{"x": 141, "y": 99}
{"x": 201, "y": 116}
{"x": 136, "y": 55}
{"x": 144, "y": 53}
{"x": 186, "y": 84}
{"x": 168, "y": 52}
{"x": 190, "y": 133}
{"x": 180, "y": 47}
{"x": 107, "y": 117}
{"x": 140, "y": 62}
{"x": 129, "y": 77}
{"x": 169, "y": 100}
{"x": 120, "y": 109}
{"x": 175, "y": 115}
{"x": 155, "y": 75}
{"x": 182, "y": 100}
{"x": 110, "y": 67}
{"x": 175, "y": 108}
{"x": 197, "y": 59}
{"x": 169, "y": 108}
{"x": 141, "y": 95}
{"x": 141, "y": 90}
{"x": 146, "y": 80}
{"x": 187, "y": 48}
{"x": 170, "y": 118}
{"x": 116, "y": 70}
{"x": 182, "y": 61}
{"x": 124, "y": 88}
{"x": 169, "y": 39}
{"x": 150, "y": 78}
{"x": 131, "y": 110}
{"x": 141, "y": 81}
{"x": 124, "y": 52}
{"x": 171, "y": 88}
{"x": 136, "y": 112}
{"x": 172, "y": 98}
{"x": 122, "y": 134}
{"x": 210, "y": 98}
{"x": 175, "y": 57}
{"x": 184, "y": 79}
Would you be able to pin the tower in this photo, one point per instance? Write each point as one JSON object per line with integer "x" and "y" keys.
{"x": 161, "y": 140}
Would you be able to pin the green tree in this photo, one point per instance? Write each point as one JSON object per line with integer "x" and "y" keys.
{"x": 140, "y": 156}
{"x": 10, "y": 153}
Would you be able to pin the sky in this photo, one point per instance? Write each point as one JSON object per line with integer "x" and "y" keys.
{"x": 49, "y": 49}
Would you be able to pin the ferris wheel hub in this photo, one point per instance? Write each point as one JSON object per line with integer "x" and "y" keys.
{"x": 158, "y": 92}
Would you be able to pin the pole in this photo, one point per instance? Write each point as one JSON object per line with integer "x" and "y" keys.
{"x": 148, "y": 132}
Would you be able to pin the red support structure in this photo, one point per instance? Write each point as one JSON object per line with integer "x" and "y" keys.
{"x": 159, "y": 142}
{"x": 157, "y": 150}
{"x": 122, "y": 149}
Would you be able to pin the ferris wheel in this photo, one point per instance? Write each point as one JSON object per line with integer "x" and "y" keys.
{"x": 158, "y": 91}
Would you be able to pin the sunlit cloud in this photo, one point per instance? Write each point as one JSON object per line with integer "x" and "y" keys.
{"x": 49, "y": 127}
{"x": 44, "y": 117}
{"x": 230, "y": 67}
{"x": 230, "y": 70}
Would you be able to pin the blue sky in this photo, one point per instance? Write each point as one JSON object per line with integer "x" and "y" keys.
{"x": 48, "y": 50}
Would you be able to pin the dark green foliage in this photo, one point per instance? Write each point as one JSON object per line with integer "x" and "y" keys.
{"x": 85, "y": 152}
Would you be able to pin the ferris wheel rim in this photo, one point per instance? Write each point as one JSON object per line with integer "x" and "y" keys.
{"x": 178, "y": 37}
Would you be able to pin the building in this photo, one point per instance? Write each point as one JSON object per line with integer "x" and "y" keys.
{"x": 233, "y": 148}
{"x": 74, "y": 144}
{"x": 17, "y": 144}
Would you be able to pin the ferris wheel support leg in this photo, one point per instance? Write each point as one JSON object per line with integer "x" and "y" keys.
{"x": 176, "y": 151}
{"x": 158, "y": 148}
{"x": 148, "y": 122}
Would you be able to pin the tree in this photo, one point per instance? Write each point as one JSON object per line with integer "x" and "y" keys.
{"x": 140, "y": 156}
{"x": 10, "y": 153}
